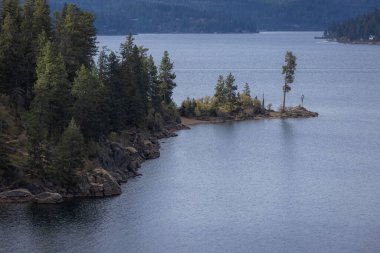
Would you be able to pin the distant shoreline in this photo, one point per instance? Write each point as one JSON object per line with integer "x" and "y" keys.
{"x": 354, "y": 42}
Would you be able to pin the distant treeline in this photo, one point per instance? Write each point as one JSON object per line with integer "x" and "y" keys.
{"x": 222, "y": 16}
{"x": 362, "y": 28}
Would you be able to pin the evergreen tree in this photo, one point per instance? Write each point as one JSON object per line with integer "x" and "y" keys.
{"x": 136, "y": 90}
{"x": 135, "y": 80}
{"x": 288, "y": 70}
{"x": 89, "y": 107}
{"x": 247, "y": 90}
{"x": 220, "y": 91}
{"x": 126, "y": 48}
{"x": 231, "y": 89}
{"x": 245, "y": 97}
{"x": 52, "y": 100}
{"x": 102, "y": 64}
{"x": 36, "y": 22}
{"x": 116, "y": 92}
{"x": 154, "y": 85}
{"x": 41, "y": 19}
{"x": 28, "y": 47}
{"x": 166, "y": 78}
{"x": 69, "y": 155}
{"x": 12, "y": 60}
{"x": 76, "y": 38}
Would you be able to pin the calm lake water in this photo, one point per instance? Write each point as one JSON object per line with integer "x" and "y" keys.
{"x": 308, "y": 185}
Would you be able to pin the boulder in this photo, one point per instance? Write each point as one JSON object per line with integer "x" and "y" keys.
{"x": 99, "y": 183}
{"x": 147, "y": 143}
{"x": 48, "y": 198}
{"x": 131, "y": 150}
{"x": 16, "y": 196}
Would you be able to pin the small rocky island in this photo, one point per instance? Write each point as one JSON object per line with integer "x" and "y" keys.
{"x": 227, "y": 104}
{"x": 291, "y": 113}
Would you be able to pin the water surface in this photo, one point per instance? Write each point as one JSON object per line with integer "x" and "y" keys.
{"x": 308, "y": 185}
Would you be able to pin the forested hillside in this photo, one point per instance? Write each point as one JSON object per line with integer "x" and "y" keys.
{"x": 62, "y": 115}
{"x": 365, "y": 28}
{"x": 151, "y": 16}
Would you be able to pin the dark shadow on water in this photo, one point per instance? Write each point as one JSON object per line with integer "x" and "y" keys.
{"x": 288, "y": 140}
{"x": 79, "y": 211}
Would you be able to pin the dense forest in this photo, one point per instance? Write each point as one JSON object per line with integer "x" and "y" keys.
{"x": 365, "y": 28}
{"x": 57, "y": 106}
{"x": 208, "y": 16}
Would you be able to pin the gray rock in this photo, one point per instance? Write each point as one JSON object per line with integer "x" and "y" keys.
{"x": 48, "y": 198}
{"x": 16, "y": 196}
{"x": 99, "y": 183}
{"x": 147, "y": 143}
{"x": 131, "y": 150}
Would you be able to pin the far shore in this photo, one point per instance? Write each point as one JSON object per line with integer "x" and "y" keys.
{"x": 355, "y": 42}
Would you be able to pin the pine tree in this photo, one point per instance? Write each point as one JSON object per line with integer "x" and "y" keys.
{"x": 220, "y": 91}
{"x": 89, "y": 106}
{"x": 116, "y": 90}
{"x": 29, "y": 51}
{"x": 69, "y": 155}
{"x": 52, "y": 100}
{"x": 137, "y": 90}
{"x": 154, "y": 85}
{"x": 75, "y": 38}
{"x": 135, "y": 80}
{"x": 231, "y": 89}
{"x": 245, "y": 97}
{"x": 12, "y": 61}
{"x": 41, "y": 19}
{"x": 126, "y": 48}
{"x": 166, "y": 78}
{"x": 288, "y": 70}
{"x": 247, "y": 90}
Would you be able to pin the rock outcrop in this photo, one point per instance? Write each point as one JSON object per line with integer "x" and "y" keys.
{"x": 299, "y": 112}
{"x": 17, "y": 195}
{"x": 98, "y": 183}
{"x": 115, "y": 163}
{"x": 48, "y": 198}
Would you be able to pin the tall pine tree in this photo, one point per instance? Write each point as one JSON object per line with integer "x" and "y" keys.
{"x": 52, "y": 100}
{"x": 166, "y": 78}
{"x": 89, "y": 106}
{"x": 12, "y": 60}
{"x": 75, "y": 38}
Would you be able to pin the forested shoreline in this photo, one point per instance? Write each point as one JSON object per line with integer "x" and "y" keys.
{"x": 119, "y": 17}
{"x": 63, "y": 116}
{"x": 70, "y": 127}
{"x": 361, "y": 29}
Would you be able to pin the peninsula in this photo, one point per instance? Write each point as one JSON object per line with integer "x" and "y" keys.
{"x": 70, "y": 127}
{"x": 364, "y": 29}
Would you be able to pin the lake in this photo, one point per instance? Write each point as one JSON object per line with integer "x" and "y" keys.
{"x": 296, "y": 185}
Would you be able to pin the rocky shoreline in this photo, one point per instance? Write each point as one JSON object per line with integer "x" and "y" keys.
{"x": 119, "y": 161}
{"x": 116, "y": 163}
{"x": 294, "y": 113}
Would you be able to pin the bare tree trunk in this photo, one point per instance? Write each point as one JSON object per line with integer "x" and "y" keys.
{"x": 283, "y": 101}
